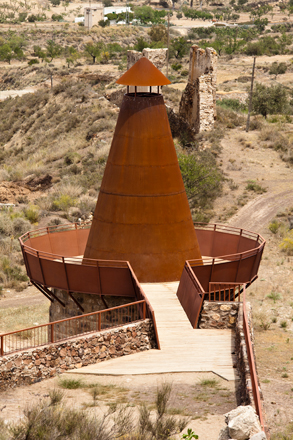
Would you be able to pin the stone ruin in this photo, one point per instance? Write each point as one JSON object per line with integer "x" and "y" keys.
{"x": 198, "y": 102}
{"x": 157, "y": 56}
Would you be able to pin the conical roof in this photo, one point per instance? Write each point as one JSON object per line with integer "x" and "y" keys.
{"x": 142, "y": 214}
{"x": 143, "y": 73}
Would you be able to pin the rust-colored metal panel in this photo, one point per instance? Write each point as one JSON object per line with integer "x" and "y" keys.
{"x": 35, "y": 269}
{"x": 143, "y": 73}
{"x": 190, "y": 294}
{"x": 54, "y": 274}
{"x": 142, "y": 214}
{"x": 41, "y": 243}
{"x": 65, "y": 243}
{"x": 116, "y": 281}
{"x": 82, "y": 278}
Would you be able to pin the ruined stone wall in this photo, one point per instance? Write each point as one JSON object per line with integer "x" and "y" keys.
{"x": 198, "y": 102}
{"x": 157, "y": 56}
{"x": 33, "y": 365}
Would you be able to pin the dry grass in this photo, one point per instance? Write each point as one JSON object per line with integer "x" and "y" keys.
{"x": 23, "y": 317}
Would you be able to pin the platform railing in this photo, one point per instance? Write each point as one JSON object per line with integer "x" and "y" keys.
{"x": 252, "y": 365}
{"x": 224, "y": 291}
{"x": 68, "y": 328}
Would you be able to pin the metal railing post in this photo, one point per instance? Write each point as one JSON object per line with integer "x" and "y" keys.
{"x": 99, "y": 322}
{"x": 144, "y": 310}
{"x": 52, "y": 332}
{"x": 2, "y": 346}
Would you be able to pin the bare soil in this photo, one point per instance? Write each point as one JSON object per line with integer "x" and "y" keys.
{"x": 203, "y": 405}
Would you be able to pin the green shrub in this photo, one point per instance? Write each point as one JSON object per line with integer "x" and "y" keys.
{"x": 33, "y": 61}
{"x": 32, "y": 213}
{"x": 253, "y": 186}
{"x": 63, "y": 203}
{"x": 57, "y": 17}
{"x": 176, "y": 66}
{"x": 12, "y": 271}
{"x": 102, "y": 23}
{"x": 233, "y": 104}
{"x": 287, "y": 244}
{"x": 20, "y": 226}
{"x": 71, "y": 384}
{"x": 202, "y": 178}
{"x": 210, "y": 383}
{"x": 275, "y": 296}
{"x": 274, "y": 226}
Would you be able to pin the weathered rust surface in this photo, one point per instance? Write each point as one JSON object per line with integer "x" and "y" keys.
{"x": 142, "y": 214}
{"x": 231, "y": 255}
{"x": 143, "y": 73}
{"x": 190, "y": 294}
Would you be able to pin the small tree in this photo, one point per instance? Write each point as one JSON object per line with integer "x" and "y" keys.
{"x": 179, "y": 47}
{"x": 277, "y": 69}
{"x": 158, "y": 33}
{"x": 38, "y": 52}
{"x": 144, "y": 14}
{"x": 71, "y": 55}
{"x": 53, "y": 50}
{"x": 6, "y": 53}
{"x": 93, "y": 50}
{"x": 269, "y": 100}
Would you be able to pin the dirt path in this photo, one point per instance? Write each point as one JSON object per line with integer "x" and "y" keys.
{"x": 244, "y": 159}
{"x": 257, "y": 214}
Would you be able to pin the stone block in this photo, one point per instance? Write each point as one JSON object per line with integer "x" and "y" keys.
{"x": 242, "y": 422}
{"x": 259, "y": 436}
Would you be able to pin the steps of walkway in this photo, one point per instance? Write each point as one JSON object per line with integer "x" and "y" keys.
{"x": 183, "y": 349}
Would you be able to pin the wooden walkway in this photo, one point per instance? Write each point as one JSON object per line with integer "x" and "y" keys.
{"x": 183, "y": 349}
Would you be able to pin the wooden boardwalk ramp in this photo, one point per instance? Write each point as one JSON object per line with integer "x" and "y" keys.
{"x": 183, "y": 349}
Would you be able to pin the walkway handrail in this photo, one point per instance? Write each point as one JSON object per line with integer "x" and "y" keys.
{"x": 252, "y": 365}
{"x": 44, "y": 334}
{"x": 140, "y": 295}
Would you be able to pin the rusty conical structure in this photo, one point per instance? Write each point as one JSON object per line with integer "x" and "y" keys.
{"x": 142, "y": 214}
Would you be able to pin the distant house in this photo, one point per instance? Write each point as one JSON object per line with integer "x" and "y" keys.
{"x": 93, "y": 14}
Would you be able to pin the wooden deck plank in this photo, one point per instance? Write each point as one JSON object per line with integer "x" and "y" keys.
{"x": 183, "y": 349}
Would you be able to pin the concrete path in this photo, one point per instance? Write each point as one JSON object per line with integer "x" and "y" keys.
{"x": 183, "y": 349}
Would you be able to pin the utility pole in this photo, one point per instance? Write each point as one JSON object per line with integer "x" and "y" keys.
{"x": 168, "y": 43}
{"x": 250, "y": 97}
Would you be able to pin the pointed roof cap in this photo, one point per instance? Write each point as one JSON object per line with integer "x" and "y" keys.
{"x": 143, "y": 73}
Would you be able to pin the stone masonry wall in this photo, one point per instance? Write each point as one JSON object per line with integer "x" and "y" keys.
{"x": 33, "y": 365}
{"x": 245, "y": 394}
{"x": 157, "y": 56}
{"x": 198, "y": 102}
{"x": 219, "y": 315}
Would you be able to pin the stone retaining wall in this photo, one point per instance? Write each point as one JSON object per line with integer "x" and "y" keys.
{"x": 219, "y": 314}
{"x": 229, "y": 315}
{"x": 33, "y": 365}
{"x": 245, "y": 395}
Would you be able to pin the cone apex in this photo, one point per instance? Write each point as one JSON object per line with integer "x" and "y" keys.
{"x": 143, "y": 73}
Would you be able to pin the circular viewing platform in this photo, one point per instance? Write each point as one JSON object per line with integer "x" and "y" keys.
{"x": 54, "y": 258}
